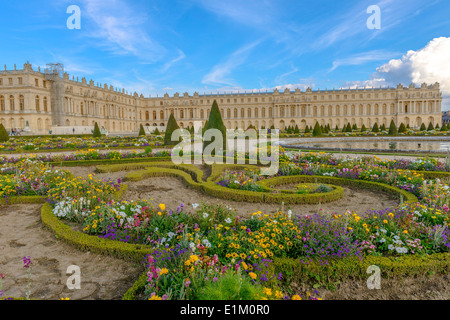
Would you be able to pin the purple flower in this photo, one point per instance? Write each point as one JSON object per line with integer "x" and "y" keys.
{"x": 27, "y": 262}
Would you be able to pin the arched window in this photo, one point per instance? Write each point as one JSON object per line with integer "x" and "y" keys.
{"x": 2, "y": 103}
{"x": 256, "y": 113}
{"x": 147, "y": 115}
{"x": 45, "y": 104}
{"x": 154, "y": 115}
{"x": 161, "y": 115}
{"x": 263, "y": 111}
{"x": 37, "y": 103}
{"x": 235, "y": 113}
{"x": 202, "y": 114}
{"x": 21, "y": 103}
{"x": 82, "y": 108}
{"x": 11, "y": 103}
{"x": 249, "y": 113}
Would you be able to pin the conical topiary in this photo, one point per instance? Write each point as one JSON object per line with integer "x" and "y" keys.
{"x": 3, "y": 133}
{"x": 141, "y": 131}
{"x": 402, "y": 128}
{"x": 317, "y": 132}
{"x": 363, "y": 128}
{"x": 375, "y": 128}
{"x": 97, "y": 133}
{"x": 423, "y": 128}
{"x": 430, "y": 127}
{"x": 383, "y": 127}
{"x": 307, "y": 129}
{"x": 393, "y": 131}
{"x": 444, "y": 127}
{"x": 215, "y": 122}
{"x": 172, "y": 125}
{"x": 156, "y": 132}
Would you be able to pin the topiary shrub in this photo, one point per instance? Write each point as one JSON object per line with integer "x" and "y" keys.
{"x": 97, "y": 133}
{"x": 393, "y": 131}
{"x": 363, "y": 128}
{"x": 141, "y": 131}
{"x": 156, "y": 132}
{"x": 375, "y": 128}
{"x": 3, "y": 133}
{"x": 317, "y": 132}
{"x": 430, "y": 127}
{"x": 423, "y": 128}
{"x": 402, "y": 128}
{"x": 171, "y": 127}
{"x": 215, "y": 122}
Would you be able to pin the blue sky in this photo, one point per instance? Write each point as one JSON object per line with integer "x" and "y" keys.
{"x": 158, "y": 46}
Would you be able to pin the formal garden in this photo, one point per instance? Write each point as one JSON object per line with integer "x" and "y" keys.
{"x": 213, "y": 250}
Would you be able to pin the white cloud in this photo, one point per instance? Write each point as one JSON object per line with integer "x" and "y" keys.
{"x": 220, "y": 72}
{"x": 121, "y": 29}
{"x": 361, "y": 58}
{"x": 169, "y": 64}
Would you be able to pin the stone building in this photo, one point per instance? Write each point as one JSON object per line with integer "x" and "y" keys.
{"x": 41, "y": 101}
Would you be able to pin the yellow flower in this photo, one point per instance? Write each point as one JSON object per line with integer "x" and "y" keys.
{"x": 385, "y": 221}
{"x": 155, "y": 297}
{"x": 163, "y": 271}
{"x": 253, "y": 275}
{"x": 193, "y": 258}
{"x": 296, "y": 297}
{"x": 162, "y": 206}
{"x": 267, "y": 291}
{"x": 405, "y": 231}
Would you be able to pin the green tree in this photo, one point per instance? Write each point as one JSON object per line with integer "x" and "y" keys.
{"x": 317, "y": 132}
{"x": 349, "y": 128}
{"x": 307, "y": 129}
{"x": 423, "y": 127}
{"x": 375, "y": 128}
{"x": 393, "y": 131}
{"x": 3, "y": 133}
{"x": 430, "y": 127}
{"x": 97, "y": 133}
{"x": 141, "y": 131}
{"x": 402, "y": 128}
{"x": 363, "y": 128}
{"x": 215, "y": 122}
{"x": 383, "y": 127}
{"x": 156, "y": 132}
{"x": 172, "y": 125}
{"x": 297, "y": 129}
{"x": 444, "y": 127}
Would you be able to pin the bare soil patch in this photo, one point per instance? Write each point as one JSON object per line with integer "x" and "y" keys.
{"x": 22, "y": 234}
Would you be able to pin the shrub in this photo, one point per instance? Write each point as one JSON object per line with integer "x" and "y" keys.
{"x": 375, "y": 128}
{"x": 156, "y": 132}
{"x": 444, "y": 127}
{"x": 402, "y": 128}
{"x": 171, "y": 127}
{"x": 393, "y": 131}
{"x": 363, "y": 128}
{"x": 430, "y": 127}
{"x": 423, "y": 128}
{"x": 215, "y": 122}
{"x": 3, "y": 134}
{"x": 231, "y": 286}
{"x": 97, "y": 133}
{"x": 141, "y": 131}
{"x": 317, "y": 132}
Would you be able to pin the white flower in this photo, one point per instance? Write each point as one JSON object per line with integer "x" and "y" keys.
{"x": 156, "y": 229}
{"x": 228, "y": 220}
{"x": 391, "y": 247}
{"x": 195, "y": 205}
{"x": 205, "y": 215}
{"x": 383, "y": 240}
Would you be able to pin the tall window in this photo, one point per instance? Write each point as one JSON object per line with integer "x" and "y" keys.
{"x": 2, "y": 103}
{"x": 21, "y": 103}
{"x": 45, "y": 104}
{"x": 11, "y": 103}
{"x": 161, "y": 115}
{"x": 154, "y": 115}
{"x": 38, "y": 107}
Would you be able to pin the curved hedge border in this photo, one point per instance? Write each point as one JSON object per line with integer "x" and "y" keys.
{"x": 22, "y": 200}
{"x": 353, "y": 268}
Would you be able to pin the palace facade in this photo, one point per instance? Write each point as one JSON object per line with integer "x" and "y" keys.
{"x": 43, "y": 101}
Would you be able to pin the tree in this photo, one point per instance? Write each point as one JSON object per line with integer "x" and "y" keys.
{"x": 430, "y": 127}
{"x": 363, "y": 128}
{"x": 402, "y": 128}
{"x": 215, "y": 122}
{"x": 307, "y": 130}
{"x": 156, "y": 132}
{"x": 354, "y": 127}
{"x": 336, "y": 129}
{"x": 408, "y": 127}
{"x": 3, "y": 133}
{"x": 349, "y": 128}
{"x": 375, "y": 128}
{"x": 172, "y": 125}
{"x": 437, "y": 126}
{"x": 393, "y": 131}
{"x": 141, "y": 131}
{"x": 444, "y": 127}
{"x": 97, "y": 133}
{"x": 297, "y": 129}
{"x": 317, "y": 132}
{"x": 423, "y": 128}
{"x": 383, "y": 127}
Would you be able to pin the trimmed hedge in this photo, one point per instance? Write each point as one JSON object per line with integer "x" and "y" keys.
{"x": 353, "y": 268}
{"x": 87, "y": 163}
{"x": 84, "y": 242}
{"x": 137, "y": 287}
{"x": 22, "y": 200}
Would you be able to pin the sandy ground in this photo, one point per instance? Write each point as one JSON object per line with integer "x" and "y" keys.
{"x": 22, "y": 234}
